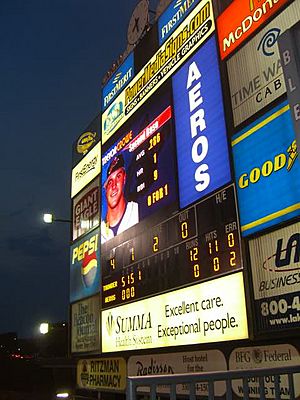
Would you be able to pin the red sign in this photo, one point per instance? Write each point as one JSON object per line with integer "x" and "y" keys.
{"x": 240, "y": 19}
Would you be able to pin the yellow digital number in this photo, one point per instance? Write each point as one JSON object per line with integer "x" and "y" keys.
{"x": 196, "y": 271}
{"x": 184, "y": 230}
{"x": 232, "y": 259}
{"x": 155, "y": 244}
{"x": 216, "y": 263}
{"x": 155, "y": 174}
{"x": 155, "y": 158}
{"x": 194, "y": 254}
{"x": 132, "y": 253}
{"x": 112, "y": 263}
{"x": 230, "y": 239}
{"x": 210, "y": 246}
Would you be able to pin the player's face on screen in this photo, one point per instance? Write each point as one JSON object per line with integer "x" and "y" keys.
{"x": 114, "y": 187}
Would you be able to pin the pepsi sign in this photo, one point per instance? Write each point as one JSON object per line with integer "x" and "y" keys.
{"x": 267, "y": 173}
{"x": 85, "y": 267}
{"x": 202, "y": 150}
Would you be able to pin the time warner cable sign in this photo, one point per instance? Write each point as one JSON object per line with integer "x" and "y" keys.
{"x": 202, "y": 313}
{"x": 267, "y": 171}
{"x": 182, "y": 43}
{"x": 202, "y": 148}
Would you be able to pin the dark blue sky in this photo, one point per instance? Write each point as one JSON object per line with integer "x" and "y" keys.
{"x": 53, "y": 57}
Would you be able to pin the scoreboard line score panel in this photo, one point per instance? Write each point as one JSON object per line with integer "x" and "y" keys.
{"x": 197, "y": 244}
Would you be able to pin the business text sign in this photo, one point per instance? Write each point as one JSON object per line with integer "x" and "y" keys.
{"x": 85, "y": 326}
{"x": 202, "y": 313}
{"x": 194, "y": 30}
{"x": 267, "y": 171}
{"x": 275, "y": 266}
{"x": 240, "y": 19}
{"x": 86, "y": 170}
{"x": 255, "y": 72}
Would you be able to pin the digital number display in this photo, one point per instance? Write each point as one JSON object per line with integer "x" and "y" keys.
{"x": 197, "y": 244}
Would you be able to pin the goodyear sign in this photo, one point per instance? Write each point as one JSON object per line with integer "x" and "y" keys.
{"x": 85, "y": 267}
{"x": 118, "y": 81}
{"x": 267, "y": 173}
{"x": 182, "y": 43}
{"x": 102, "y": 373}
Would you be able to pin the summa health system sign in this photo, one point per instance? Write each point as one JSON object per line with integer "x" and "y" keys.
{"x": 193, "y": 31}
{"x": 202, "y": 313}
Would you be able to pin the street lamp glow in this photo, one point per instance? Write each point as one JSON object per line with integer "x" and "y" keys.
{"x": 48, "y": 218}
{"x": 44, "y": 328}
{"x": 63, "y": 395}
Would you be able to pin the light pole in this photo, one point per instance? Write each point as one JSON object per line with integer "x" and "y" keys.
{"x": 49, "y": 219}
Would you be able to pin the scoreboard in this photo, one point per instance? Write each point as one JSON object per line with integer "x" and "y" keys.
{"x": 194, "y": 245}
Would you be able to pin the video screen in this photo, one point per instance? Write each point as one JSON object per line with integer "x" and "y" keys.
{"x": 139, "y": 167}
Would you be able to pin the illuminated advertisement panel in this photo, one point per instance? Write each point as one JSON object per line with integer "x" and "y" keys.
{"x": 85, "y": 267}
{"x": 255, "y": 73}
{"x": 185, "y": 362}
{"x": 173, "y": 16}
{"x": 240, "y": 19}
{"x": 118, "y": 81}
{"x": 275, "y": 267}
{"x": 202, "y": 313}
{"x": 138, "y": 169}
{"x": 102, "y": 373}
{"x": 85, "y": 325}
{"x": 86, "y": 141}
{"x": 194, "y": 30}
{"x": 267, "y": 171}
{"x": 202, "y": 148}
{"x": 86, "y": 170}
{"x": 258, "y": 357}
{"x": 86, "y": 209}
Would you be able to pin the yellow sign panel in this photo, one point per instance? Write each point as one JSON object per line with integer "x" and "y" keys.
{"x": 208, "y": 312}
{"x": 182, "y": 43}
{"x": 86, "y": 170}
{"x": 102, "y": 373}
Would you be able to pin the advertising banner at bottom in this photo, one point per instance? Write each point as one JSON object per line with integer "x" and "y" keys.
{"x": 279, "y": 355}
{"x": 208, "y": 312}
{"x": 180, "y": 363}
{"x": 102, "y": 373}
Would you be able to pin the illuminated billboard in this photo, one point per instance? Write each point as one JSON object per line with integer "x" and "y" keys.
{"x": 202, "y": 149}
{"x": 85, "y": 267}
{"x": 85, "y": 325}
{"x": 275, "y": 267}
{"x": 86, "y": 209}
{"x": 173, "y": 16}
{"x": 138, "y": 168}
{"x": 267, "y": 171}
{"x": 255, "y": 73}
{"x": 118, "y": 81}
{"x": 86, "y": 170}
{"x": 193, "y": 31}
{"x": 202, "y": 313}
{"x": 102, "y": 374}
{"x": 240, "y": 19}
{"x": 86, "y": 141}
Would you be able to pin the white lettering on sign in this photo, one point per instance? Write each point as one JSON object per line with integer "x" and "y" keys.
{"x": 198, "y": 125}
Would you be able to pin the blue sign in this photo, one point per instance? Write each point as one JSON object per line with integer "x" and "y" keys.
{"x": 267, "y": 171}
{"x": 202, "y": 148}
{"x": 85, "y": 267}
{"x": 173, "y": 16}
{"x": 118, "y": 81}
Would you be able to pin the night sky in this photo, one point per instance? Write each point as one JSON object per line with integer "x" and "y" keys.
{"x": 54, "y": 54}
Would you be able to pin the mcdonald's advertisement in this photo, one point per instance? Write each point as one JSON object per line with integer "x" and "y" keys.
{"x": 202, "y": 313}
{"x": 275, "y": 267}
{"x": 85, "y": 267}
{"x": 102, "y": 374}
{"x": 267, "y": 171}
